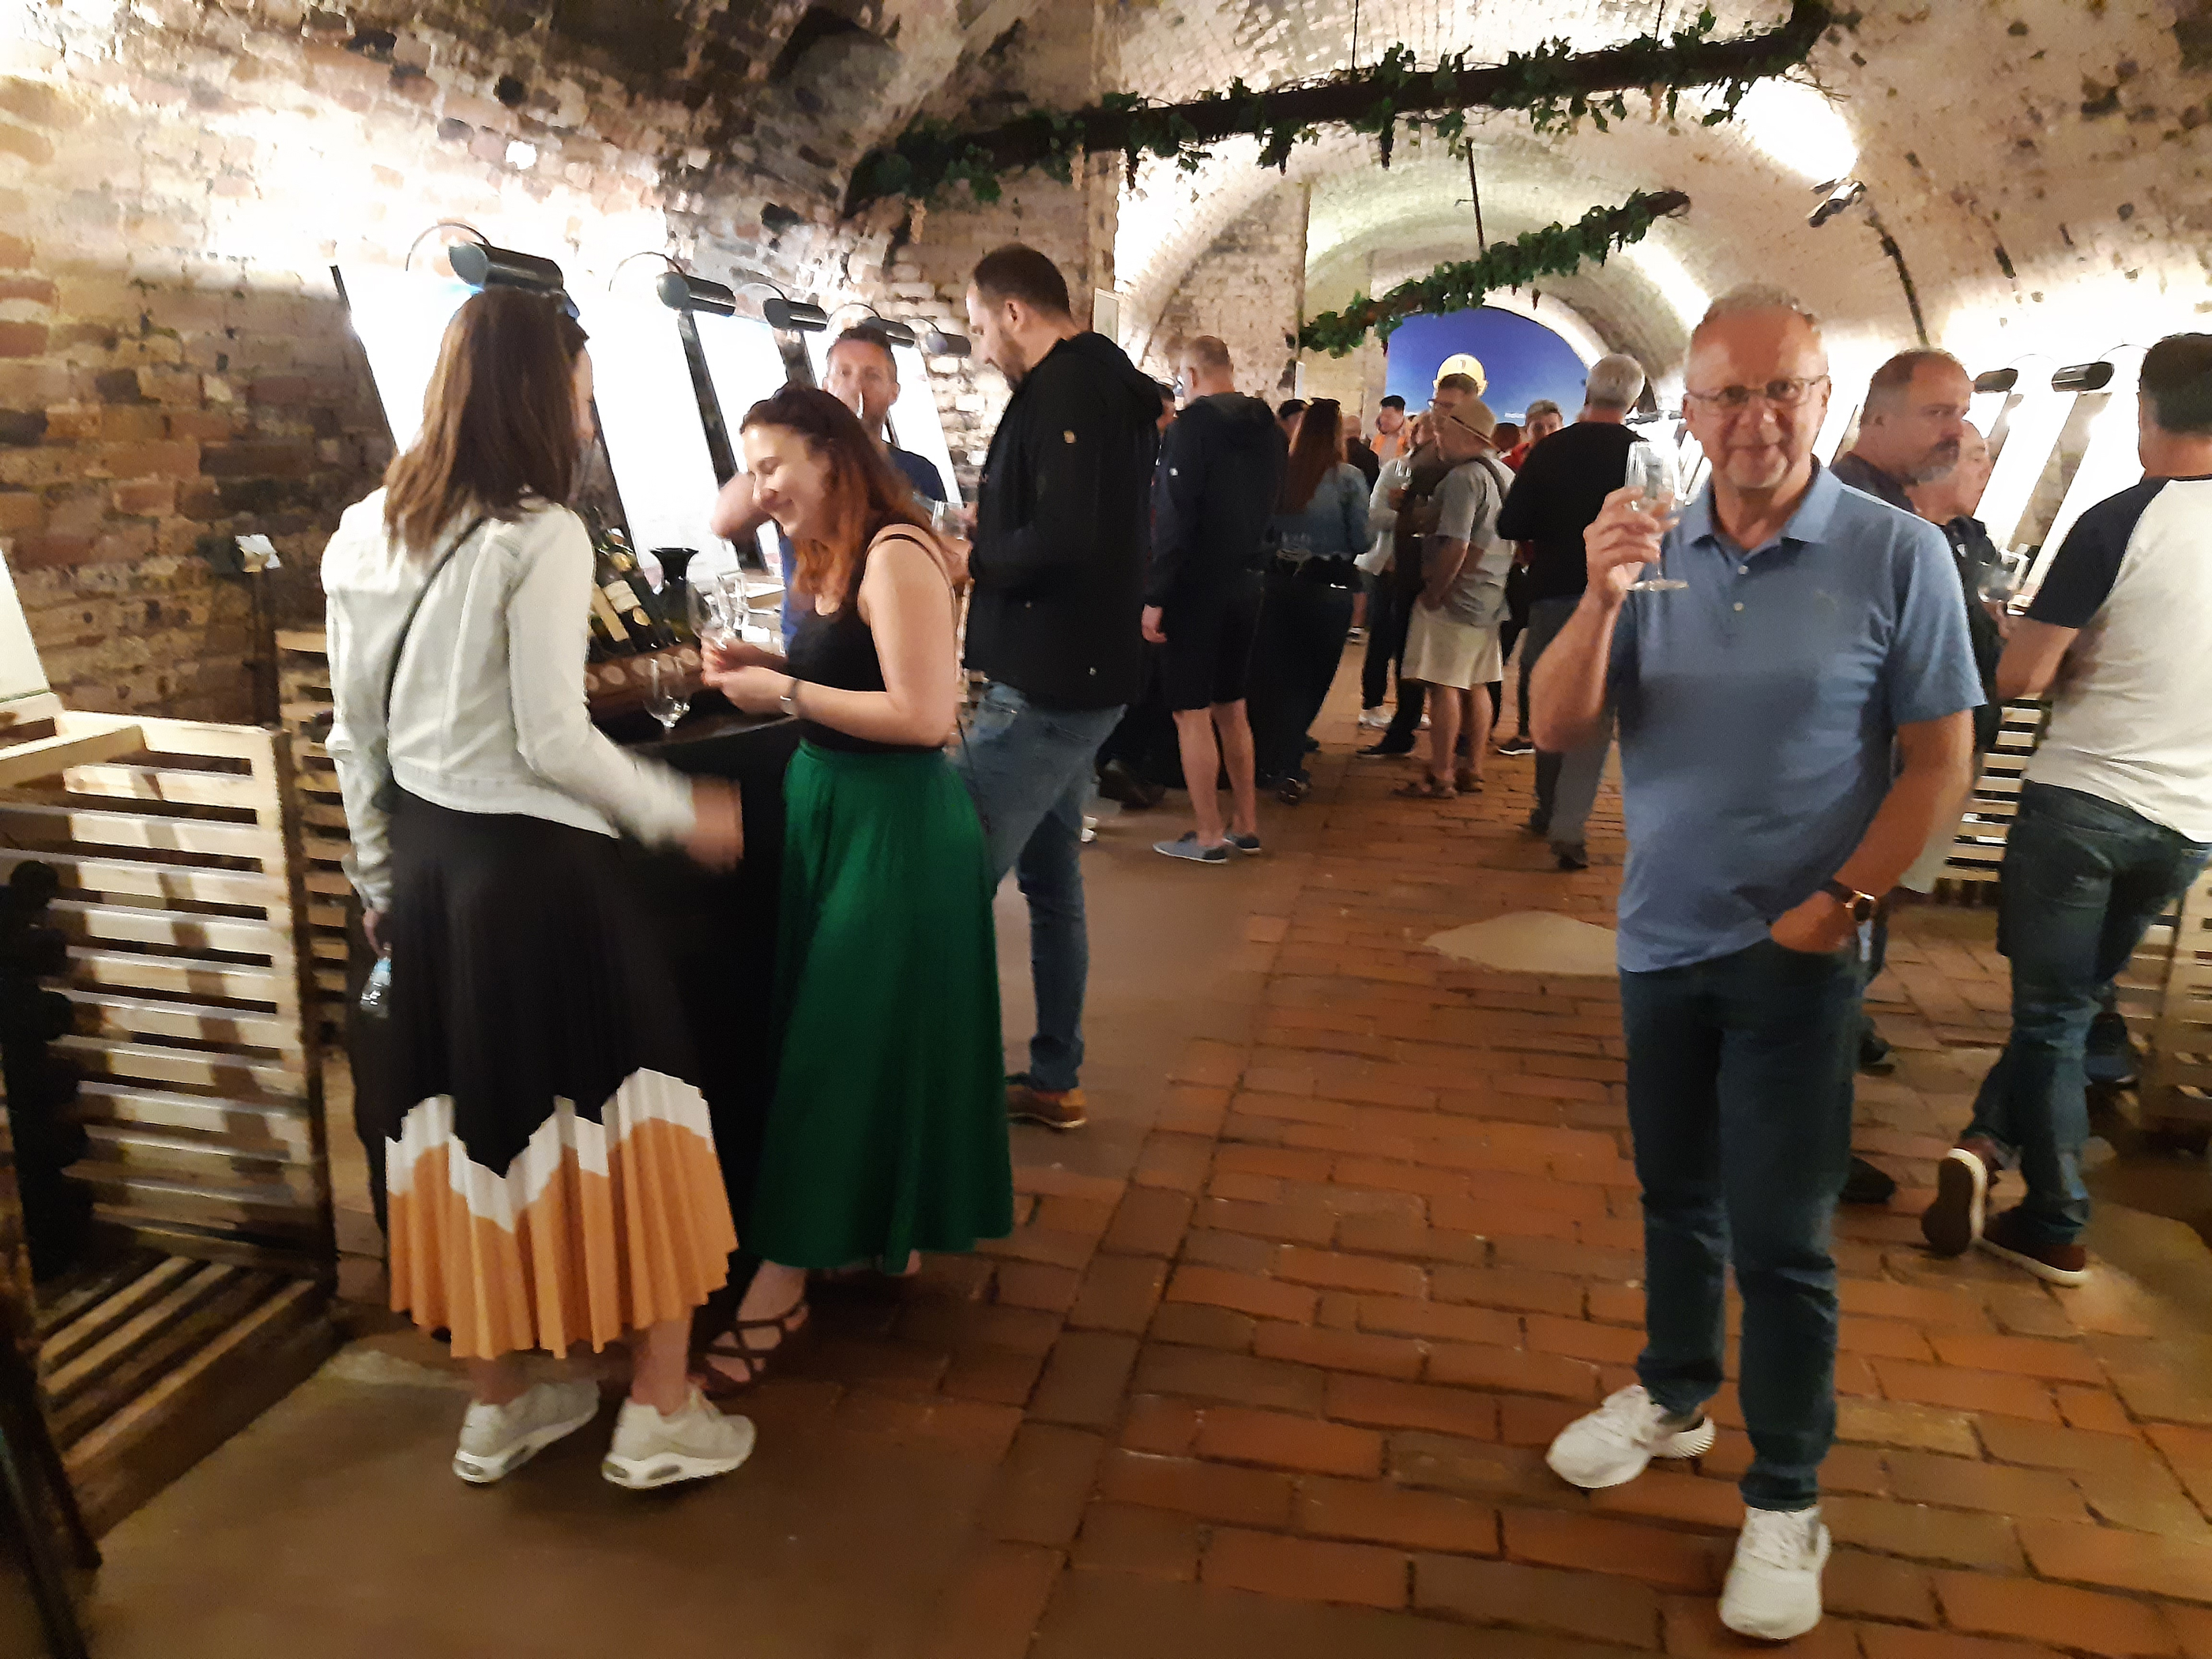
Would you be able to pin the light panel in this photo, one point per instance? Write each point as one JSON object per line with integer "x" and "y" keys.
{"x": 649, "y": 413}
{"x": 400, "y": 317}
{"x": 745, "y": 365}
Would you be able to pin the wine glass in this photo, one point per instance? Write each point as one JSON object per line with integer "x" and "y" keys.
{"x": 667, "y": 692}
{"x": 1652, "y": 474}
{"x": 711, "y": 618}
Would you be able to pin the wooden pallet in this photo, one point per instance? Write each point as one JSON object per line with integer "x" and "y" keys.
{"x": 304, "y": 707}
{"x": 2176, "y": 1079}
{"x": 183, "y": 907}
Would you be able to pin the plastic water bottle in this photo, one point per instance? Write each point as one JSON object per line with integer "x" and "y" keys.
{"x": 376, "y": 989}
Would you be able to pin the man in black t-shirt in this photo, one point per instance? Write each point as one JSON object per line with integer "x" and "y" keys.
{"x": 1560, "y": 489}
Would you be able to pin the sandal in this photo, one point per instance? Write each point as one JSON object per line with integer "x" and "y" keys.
{"x": 731, "y": 1347}
{"x": 1427, "y": 787}
{"x": 1468, "y": 784}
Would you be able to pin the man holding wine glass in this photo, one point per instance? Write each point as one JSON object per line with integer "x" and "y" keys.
{"x": 1815, "y": 632}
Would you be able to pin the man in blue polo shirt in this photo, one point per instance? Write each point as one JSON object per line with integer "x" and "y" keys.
{"x": 1815, "y": 634}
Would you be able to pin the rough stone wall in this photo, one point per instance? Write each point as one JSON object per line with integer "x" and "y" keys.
{"x": 1247, "y": 288}
{"x": 177, "y": 178}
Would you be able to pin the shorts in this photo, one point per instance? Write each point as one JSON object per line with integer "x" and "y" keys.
{"x": 1442, "y": 651}
{"x": 1209, "y": 656}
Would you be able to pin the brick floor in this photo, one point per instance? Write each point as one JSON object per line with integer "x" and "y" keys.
{"x": 1383, "y": 1240}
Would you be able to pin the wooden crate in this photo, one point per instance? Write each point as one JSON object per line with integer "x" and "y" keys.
{"x": 303, "y": 695}
{"x": 1970, "y": 874}
{"x": 182, "y": 905}
{"x": 2177, "y": 1075}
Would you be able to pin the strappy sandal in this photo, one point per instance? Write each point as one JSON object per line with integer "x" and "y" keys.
{"x": 791, "y": 1326}
{"x": 1427, "y": 788}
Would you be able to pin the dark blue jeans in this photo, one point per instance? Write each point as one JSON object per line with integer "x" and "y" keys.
{"x": 2084, "y": 878}
{"x": 1740, "y": 1099}
{"x": 1028, "y": 768}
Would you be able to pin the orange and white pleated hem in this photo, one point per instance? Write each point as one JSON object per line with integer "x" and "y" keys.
{"x": 595, "y": 1228}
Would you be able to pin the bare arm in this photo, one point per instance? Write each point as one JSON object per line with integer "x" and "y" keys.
{"x": 2033, "y": 657}
{"x": 1937, "y": 770}
{"x": 736, "y": 517}
{"x": 906, "y": 602}
{"x": 1566, "y": 693}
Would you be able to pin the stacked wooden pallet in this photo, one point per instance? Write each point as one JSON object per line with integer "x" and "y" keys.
{"x": 182, "y": 906}
{"x": 303, "y": 696}
{"x": 2177, "y": 1082}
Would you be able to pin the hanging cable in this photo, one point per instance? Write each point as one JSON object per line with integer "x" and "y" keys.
{"x": 1475, "y": 193}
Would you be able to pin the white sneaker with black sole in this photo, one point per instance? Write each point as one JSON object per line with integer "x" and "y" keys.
{"x": 1611, "y": 1445}
{"x": 497, "y": 1440}
{"x": 1773, "y": 1588}
{"x": 698, "y": 1442}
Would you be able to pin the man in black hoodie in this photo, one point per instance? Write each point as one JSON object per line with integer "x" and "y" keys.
{"x": 1062, "y": 528}
{"x": 1221, "y": 468}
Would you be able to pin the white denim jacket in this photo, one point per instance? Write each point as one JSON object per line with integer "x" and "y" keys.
{"x": 488, "y": 713}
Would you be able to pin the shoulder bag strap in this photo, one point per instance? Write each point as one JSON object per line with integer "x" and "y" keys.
{"x": 399, "y": 649}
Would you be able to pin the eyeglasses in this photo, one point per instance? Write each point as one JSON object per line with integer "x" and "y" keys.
{"x": 1782, "y": 394}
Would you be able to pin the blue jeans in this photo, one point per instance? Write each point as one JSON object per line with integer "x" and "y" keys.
{"x": 1739, "y": 1100}
{"x": 2084, "y": 878}
{"x": 1029, "y": 770}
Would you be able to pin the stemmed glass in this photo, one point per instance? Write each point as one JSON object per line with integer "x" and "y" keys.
{"x": 1650, "y": 473}
{"x": 712, "y": 618}
{"x": 667, "y": 692}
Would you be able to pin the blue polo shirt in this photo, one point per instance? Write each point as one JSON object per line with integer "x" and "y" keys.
{"x": 1757, "y": 709}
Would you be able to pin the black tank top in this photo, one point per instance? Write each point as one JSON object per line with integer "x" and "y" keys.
{"x": 840, "y": 650}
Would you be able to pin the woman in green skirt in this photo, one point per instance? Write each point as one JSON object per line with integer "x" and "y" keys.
{"x": 888, "y": 1133}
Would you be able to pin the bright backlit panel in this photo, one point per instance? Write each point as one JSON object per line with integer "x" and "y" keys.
{"x": 400, "y": 317}
{"x": 744, "y": 365}
{"x": 649, "y": 413}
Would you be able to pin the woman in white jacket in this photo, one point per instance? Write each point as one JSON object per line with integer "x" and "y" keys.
{"x": 550, "y": 1173}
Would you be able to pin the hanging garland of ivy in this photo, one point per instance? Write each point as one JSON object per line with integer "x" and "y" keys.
{"x": 1555, "y": 85}
{"x": 1555, "y": 251}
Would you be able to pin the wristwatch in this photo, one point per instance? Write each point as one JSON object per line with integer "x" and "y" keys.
{"x": 790, "y": 698}
{"x": 1862, "y": 906}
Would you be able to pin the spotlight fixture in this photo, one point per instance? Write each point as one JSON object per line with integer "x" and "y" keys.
{"x": 2082, "y": 377}
{"x": 938, "y": 344}
{"x": 874, "y": 320}
{"x": 681, "y": 291}
{"x": 482, "y": 265}
{"x": 783, "y": 311}
{"x": 796, "y": 315}
{"x": 1996, "y": 379}
{"x": 1842, "y": 193}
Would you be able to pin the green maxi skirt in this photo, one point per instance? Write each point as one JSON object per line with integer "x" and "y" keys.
{"x": 888, "y": 1131}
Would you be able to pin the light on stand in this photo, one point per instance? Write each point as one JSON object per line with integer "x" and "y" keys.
{"x": 681, "y": 291}
{"x": 482, "y": 265}
{"x": 1996, "y": 381}
{"x": 2082, "y": 377}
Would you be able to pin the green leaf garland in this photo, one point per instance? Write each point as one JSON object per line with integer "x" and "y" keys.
{"x": 1459, "y": 285}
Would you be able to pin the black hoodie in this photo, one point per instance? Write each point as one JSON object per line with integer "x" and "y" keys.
{"x": 1062, "y": 530}
{"x": 1221, "y": 469}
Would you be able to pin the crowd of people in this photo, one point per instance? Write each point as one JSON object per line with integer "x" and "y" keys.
{"x": 1798, "y": 711}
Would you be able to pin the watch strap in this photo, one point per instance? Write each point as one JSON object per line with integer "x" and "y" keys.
{"x": 1861, "y": 905}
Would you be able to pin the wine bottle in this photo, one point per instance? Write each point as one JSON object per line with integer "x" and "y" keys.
{"x": 624, "y": 582}
{"x": 609, "y": 638}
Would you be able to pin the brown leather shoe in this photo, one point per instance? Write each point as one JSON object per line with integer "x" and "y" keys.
{"x": 2007, "y": 1237}
{"x": 1954, "y": 1220}
{"x": 1056, "y": 1108}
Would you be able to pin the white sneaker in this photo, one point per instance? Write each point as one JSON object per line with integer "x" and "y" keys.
{"x": 497, "y": 1440}
{"x": 651, "y": 1450}
{"x": 1375, "y": 720}
{"x": 1773, "y": 1590}
{"x": 1613, "y": 1445}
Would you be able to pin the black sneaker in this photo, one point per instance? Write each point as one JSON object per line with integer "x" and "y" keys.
{"x": 1571, "y": 857}
{"x": 1384, "y": 751}
{"x": 1247, "y": 844}
{"x": 1876, "y": 1057}
{"x": 1539, "y": 825}
{"x": 1868, "y": 1185}
{"x": 1517, "y": 743}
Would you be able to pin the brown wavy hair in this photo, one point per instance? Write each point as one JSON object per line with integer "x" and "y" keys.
{"x": 1314, "y": 455}
{"x": 865, "y": 494}
{"x": 499, "y": 419}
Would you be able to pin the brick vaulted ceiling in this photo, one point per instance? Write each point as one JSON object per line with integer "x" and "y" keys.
{"x": 2042, "y": 164}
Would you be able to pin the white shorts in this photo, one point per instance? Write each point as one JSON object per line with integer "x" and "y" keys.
{"x": 1442, "y": 651}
